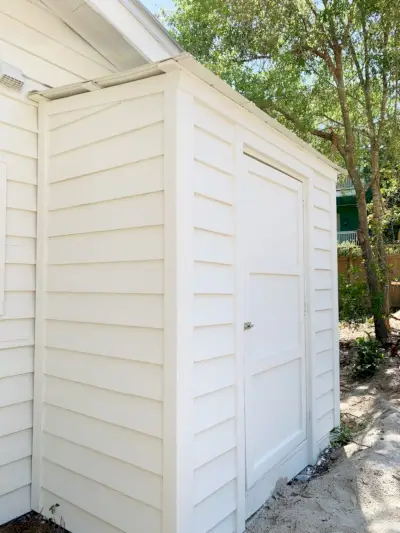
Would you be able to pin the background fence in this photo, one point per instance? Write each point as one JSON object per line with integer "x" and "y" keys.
{"x": 345, "y": 262}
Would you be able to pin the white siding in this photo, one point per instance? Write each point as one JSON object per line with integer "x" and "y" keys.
{"x": 322, "y": 320}
{"x": 18, "y": 132}
{"x": 104, "y": 441}
{"x": 218, "y": 478}
{"x": 214, "y": 369}
{"x": 49, "y": 53}
{"x": 102, "y": 445}
{"x": 215, "y": 514}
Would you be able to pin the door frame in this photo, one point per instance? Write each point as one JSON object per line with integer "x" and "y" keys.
{"x": 306, "y": 180}
{"x": 250, "y": 145}
{"x": 305, "y": 175}
{"x": 305, "y": 378}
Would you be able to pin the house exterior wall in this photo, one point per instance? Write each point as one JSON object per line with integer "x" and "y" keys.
{"x": 221, "y": 133}
{"x": 100, "y": 454}
{"x": 49, "y": 54}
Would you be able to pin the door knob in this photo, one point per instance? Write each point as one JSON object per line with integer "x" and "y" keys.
{"x": 248, "y": 325}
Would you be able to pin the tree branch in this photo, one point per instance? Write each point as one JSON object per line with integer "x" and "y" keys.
{"x": 385, "y": 89}
{"x": 318, "y": 21}
{"x": 350, "y": 156}
{"x": 366, "y": 87}
{"x": 333, "y": 120}
{"x": 324, "y": 54}
{"x": 356, "y": 63}
{"x": 359, "y": 130}
{"x": 312, "y": 7}
{"x": 327, "y": 135}
{"x": 251, "y": 58}
{"x": 346, "y": 35}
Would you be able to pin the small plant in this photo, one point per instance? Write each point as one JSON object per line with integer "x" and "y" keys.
{"x": 340, "y": 436}
{"x": 52, "y": 522}
{"x": 53, "y": 510}
{"x": 369, "y": 357}
{"x": 353, "y": 422}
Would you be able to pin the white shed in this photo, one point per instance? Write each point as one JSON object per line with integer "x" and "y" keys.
{"x": 170, "y": 213}
{"x": 186, "y": 305}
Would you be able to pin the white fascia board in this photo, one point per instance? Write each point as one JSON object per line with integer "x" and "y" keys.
{"x": 133, "y": 30}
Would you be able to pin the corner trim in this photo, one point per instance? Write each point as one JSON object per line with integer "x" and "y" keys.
{"x": 40, "y": 333}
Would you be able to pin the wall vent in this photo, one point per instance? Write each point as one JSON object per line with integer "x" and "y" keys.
{"x": 11, "y": 76}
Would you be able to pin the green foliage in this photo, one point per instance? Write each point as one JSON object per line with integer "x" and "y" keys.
{"x": 348, "y": 249}
{"x": 390, "y": 187}
{"x": 369, "y": 357}
{"x": 340, "y": 436}
{"x": 354, "y": 302}
{"x": 279, "y": 54}
{"x": 393, "y": 250}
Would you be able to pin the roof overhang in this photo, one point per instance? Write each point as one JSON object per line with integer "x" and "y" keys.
{"x": 187, "y": 63}
{"x": 123, "y": 31}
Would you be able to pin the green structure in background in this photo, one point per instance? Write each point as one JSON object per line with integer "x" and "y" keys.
{"x": 347, "y": 214}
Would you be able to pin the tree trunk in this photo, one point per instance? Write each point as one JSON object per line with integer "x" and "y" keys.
{"x": 380, "y": 249}
{"x": 371, "y": 270}
{"x": 375, "y": 272}
{"x": 379, "y": 244}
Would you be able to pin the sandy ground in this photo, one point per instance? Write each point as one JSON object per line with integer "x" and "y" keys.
{"x": 361, "y": 491}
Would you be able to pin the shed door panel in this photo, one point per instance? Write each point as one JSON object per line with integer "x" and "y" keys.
{"x": 274, "y": 348}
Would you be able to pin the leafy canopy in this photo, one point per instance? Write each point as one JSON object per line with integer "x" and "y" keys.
{"x": 284, "y": 55}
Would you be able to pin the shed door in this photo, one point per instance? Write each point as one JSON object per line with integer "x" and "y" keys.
{"x": 275, "y": 388}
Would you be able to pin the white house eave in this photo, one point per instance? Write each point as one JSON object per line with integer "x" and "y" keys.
{"x": 153, "y": 26}
{"x": 141, "y": 30}
{"x": 187, "y": 63}
{"x": 123, "y": 31}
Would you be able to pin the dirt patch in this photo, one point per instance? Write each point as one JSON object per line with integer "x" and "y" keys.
{"x": 346, "y": 334}
{"x": 32, "y": 523}
{"x": 360, "y": 493}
